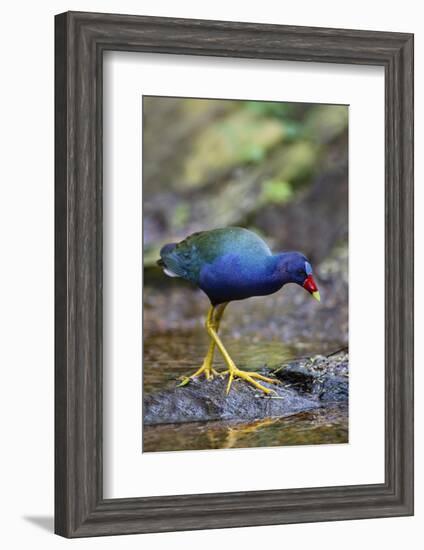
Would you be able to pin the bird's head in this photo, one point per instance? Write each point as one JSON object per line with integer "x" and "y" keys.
{"x": 294, "y": 267}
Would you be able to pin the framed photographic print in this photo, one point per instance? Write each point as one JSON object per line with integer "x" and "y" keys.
{"x": 261, "y": 157}
{"x": 234, "y": 274}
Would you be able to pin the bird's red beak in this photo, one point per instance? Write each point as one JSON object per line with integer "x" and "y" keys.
{"x": 311, "y": 287}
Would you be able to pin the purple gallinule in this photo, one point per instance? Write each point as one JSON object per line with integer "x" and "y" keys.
{"x": 230, "y": 264}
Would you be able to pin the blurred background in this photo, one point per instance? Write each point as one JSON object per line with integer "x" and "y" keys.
{"x": 279, "y": 169}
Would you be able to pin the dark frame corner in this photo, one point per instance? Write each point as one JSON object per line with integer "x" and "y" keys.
{"x": 80, "y": 40}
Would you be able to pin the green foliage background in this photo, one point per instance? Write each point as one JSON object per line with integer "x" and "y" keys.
{"x": 277, "y": 168}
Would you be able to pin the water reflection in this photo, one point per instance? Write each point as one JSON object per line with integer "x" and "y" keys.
{"x": 322, "y": 426}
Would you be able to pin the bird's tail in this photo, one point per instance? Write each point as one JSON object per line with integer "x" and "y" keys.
{"x": 168, "y": 262}
{"x": 164, "y": 251}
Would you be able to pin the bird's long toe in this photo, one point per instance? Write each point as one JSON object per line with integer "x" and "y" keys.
{"x": 264, "y": 378}
{"x": 208, "y": 371}
{"x": 250, "y": 378}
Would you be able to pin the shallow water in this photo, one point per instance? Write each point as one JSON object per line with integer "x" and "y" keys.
{"x": 322, "y": 426}
{"x": 168, "y": 356}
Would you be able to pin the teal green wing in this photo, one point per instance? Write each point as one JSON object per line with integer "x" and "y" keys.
{"x": 186, "y": 258}
{"x": 229, "y": 240}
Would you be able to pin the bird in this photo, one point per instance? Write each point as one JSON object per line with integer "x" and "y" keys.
{"x": 230, "y": 264}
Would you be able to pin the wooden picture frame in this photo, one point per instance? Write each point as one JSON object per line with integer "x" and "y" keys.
{"x": 81, "y": 39}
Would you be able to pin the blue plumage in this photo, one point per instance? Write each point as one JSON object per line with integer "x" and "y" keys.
{"x": 233, "y": 264}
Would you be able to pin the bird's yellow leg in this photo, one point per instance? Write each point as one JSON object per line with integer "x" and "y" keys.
{"x": 213, "y": 318}
{"x": 216, "y": 321}
{"x": 233, "y": 371}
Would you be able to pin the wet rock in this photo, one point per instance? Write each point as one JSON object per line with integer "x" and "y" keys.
{"x": 203, "y": 400}
{"x": 326, "y": 378}
{"x": 332, "y": 388}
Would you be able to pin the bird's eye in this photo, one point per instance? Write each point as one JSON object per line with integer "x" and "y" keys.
{"x": 300, "y": 272}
